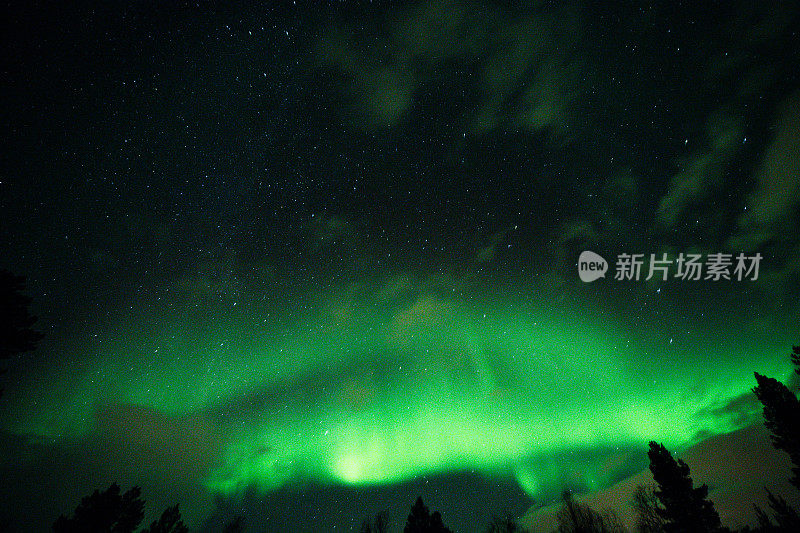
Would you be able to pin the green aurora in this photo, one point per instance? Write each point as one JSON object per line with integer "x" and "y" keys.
{"x": 303, "y": 262}
{"x": 380, "y": 383}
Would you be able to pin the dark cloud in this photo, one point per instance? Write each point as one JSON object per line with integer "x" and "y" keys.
{"x": 521, "y": 64}
{"x": 704, "y": 173}
{"x": 773, "y": 202}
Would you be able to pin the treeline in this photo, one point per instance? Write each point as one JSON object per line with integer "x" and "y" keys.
{"x": 672, "y": 504}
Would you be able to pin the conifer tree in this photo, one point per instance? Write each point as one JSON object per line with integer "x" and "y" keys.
{"x": 170, "y": 522}
{"x": 686, "y": 508}
{"x": 418, "y": 519}
{"x": 782, "y": 415}
{"x": 107, "y": 511}
{"x": 782, "y": 418}
{"x": 16, "y": 322}
{"x": 575, "y": 517}
{"x": 647, "y": 506}
{"x": 421, "y": 521}
{"x": 379, "y": 524}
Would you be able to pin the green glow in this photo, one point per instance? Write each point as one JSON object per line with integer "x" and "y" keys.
{"x": 354, "y": 392}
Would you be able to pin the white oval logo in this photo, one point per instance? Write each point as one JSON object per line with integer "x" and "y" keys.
{"x": 591, "y": 266}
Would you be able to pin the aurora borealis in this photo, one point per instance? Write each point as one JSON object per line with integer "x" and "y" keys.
{"x": 325, "y": 250}
{"x": 387, "y": 389}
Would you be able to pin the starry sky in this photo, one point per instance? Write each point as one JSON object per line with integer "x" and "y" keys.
{"x": 305, "y": 261}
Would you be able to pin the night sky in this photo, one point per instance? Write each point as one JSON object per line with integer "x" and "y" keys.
{"x": 306, "y": 261}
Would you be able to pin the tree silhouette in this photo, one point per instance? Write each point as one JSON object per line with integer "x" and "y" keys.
{"x": 686, "y": 509}
{"x": 421, "y": 521}
{"x": 437, "y": 526}
{"x": 107, "y": 511}
{"x": 647, "y": 507}
{"x": 419, "y": 518}
{"x": 111, "y": 511}
{"x": 574, "y": 517}
{"x": 170, "y": 522}
{"x": 782, "y": 415}
{"x": 16, "y": 335}
{"x": 786, "y": 517}
{"x": 379, "y": 524}
{"x": 782, "y": 418}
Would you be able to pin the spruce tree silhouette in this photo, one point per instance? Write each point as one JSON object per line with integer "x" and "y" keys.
{"x": 16, "y": 335}
{"x": 647, "y": 506}
{"x": 574, "y": 517}
{"x": 421, "y": 521}
{"x": 686, "y": 509}
{"x": 782, "y": 415}
{"x": 170, "y": 522}
{"x": 437, "y": 526}
{"x": 786, "y": 517}
{"x": 105, "y": 512}
{"x": 418, "y": 519}
{"x": 782, "y": 418}
{"x": 379, "y": 524}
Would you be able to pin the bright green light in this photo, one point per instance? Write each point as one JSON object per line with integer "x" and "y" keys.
{"x": 358, "y": 392}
